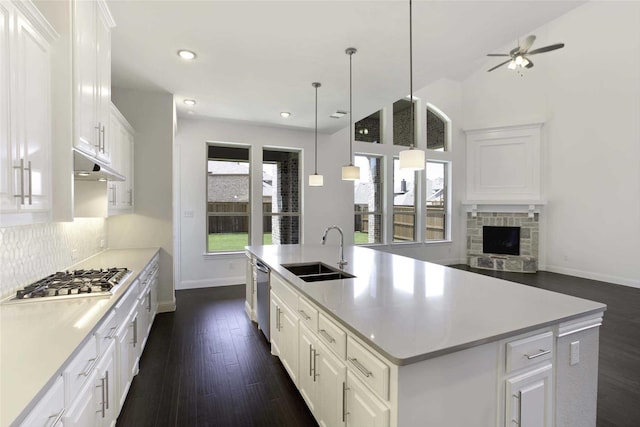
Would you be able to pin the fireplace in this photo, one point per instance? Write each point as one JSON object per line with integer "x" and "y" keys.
{"x": 500, "y": 240}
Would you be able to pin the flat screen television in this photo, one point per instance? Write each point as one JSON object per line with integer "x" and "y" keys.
{"x": 501, "y": 240}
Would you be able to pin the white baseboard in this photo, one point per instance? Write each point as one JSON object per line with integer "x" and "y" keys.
{"x": 594, "y": 276}
{"x": 249, "y": 312}
{"x": 166, "y": 307}
{"x": 212, "y": 283}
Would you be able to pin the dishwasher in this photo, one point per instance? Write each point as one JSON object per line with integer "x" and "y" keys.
{"x": 263, "y": 298}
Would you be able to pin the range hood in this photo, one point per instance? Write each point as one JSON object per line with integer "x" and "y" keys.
{"x": 86, "y": 168}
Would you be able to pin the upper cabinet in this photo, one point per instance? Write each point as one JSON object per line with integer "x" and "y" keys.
{"x": 121, "y": 141}
{"x": 92, "y": 23}
{"x": 25, "y": 114}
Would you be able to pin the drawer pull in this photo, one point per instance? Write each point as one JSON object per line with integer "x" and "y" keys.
{"x": 92, "y": 364}
{"x": 112, "y": 333}
{"x": 305, "y": 315}
{"x": 57, "y": 417}
{"x": 540, "y": 353}
{"x": 344, "y": 401}
{"x": 327, "y": 336}
{"x": 367, "y": 373}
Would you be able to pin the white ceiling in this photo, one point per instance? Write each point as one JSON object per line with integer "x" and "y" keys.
{"x": 258, "y": 58}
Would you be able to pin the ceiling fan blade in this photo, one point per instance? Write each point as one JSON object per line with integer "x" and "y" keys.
{"x": 499, "y": 65}
{"x": 546, "y": 48}
{"x": 498, "y": 54}
{"x": 526, "y": 43}
{"x": 529, "y": 64}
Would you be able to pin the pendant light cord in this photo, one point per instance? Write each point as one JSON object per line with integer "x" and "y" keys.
{"x": 350, "y": 111}
{"x": 316, "y": 136}
{"x": 413, "y": 118}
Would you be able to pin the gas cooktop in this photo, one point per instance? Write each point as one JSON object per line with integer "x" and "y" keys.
{"x": 73, "y": 284}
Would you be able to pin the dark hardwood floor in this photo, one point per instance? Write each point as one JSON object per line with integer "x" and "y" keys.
{"x": 619, "y": 367}
{"x": 208, "y": 365}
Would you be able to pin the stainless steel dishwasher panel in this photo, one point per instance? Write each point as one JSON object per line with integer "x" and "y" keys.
{"x": 263, "y": 297}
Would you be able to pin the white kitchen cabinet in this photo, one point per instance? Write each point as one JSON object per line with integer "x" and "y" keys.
{"x": 331, "y": 376}
{"x": 284, "y": 336}
{"x": 25, "y": 114}
{"x": 92, "y": 23}
{"x": 308, "y": 378}
{"x": 126, "y": 355}
{"x": 106, "y": 390}
{"x": 363, "y": 408}
{"x": 120, "y": 197}
{"x": 50, "y": 409}
{"x": 528, "y": 399}
{"x": 83, "y": 410}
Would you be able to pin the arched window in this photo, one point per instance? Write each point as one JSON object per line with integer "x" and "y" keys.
{"x": 437, "y": 129}
{"x": 437, "y": 176}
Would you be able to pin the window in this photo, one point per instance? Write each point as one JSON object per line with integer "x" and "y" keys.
{"x": 368, "y": 129}
{"x": 436, "y": 130}
{"x": 437, "y": 203}
{"x": 404, "y": 206}
{"x": 228, "y": 198}
{"x": 368, "y": 200}
{"x": 281, "y": 197}
{"x": 402, "y": 122}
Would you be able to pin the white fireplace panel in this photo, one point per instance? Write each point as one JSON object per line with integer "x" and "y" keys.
{"x": 504, "y": 163}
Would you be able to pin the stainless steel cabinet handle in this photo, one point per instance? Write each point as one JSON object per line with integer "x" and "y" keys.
{"x": 327, "y": 336}
{"x": 130, "y": 197}
{"x": 21, "y": 168}
{"x": 305, "y": 315}
{"x": 310, "y": 359}
{"x": 30, "y": 186}
{"x": 367, "y": 373}
{"x": 519, "y": 397}
{"x": 149, "y": 302}
{"x": 57, "y": 417}
{"x": 540, "y": 353}
{"x": 112, "y": 333}
{"x": 135, "y": 331}
{"x": 344, "y": 401}
{"x": 99, "y": 144}
{"x": 104, "y": 149}
{"x": 277, "y": 318}
{"x": 92, "y": 364}
{"x": 106, "y": 376}
{"x": 102, "y": 387}
{"x": 315, "y": 365}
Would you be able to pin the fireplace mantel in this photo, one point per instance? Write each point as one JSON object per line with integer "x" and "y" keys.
{"x": 508, "y": 206}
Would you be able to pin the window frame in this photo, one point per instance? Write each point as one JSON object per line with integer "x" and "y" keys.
{"x": 416, "y": 234}
{"x": 381, "y": 158}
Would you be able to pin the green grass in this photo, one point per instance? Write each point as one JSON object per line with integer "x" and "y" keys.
{"x": 361, "y": 238}
{"x": 229, "y": 242}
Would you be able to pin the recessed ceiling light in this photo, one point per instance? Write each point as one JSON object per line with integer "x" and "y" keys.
{"x": 285, "y": 114}
{"x": 190, "y": 101}
{"x": 102, "y": 179}
{"x": 338, "y": 114}
{"x": 186, "y": 55}
{"x": 83, "y": 173}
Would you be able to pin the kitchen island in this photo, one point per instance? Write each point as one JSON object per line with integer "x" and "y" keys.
{"x": 443, "y": 346}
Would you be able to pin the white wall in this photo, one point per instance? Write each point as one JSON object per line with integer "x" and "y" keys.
{"x": 588, "y": 94}
{"x": 321, "y": 206}
{"x": 151, "y": 115}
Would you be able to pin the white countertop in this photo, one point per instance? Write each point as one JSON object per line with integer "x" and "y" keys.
{"x": 38, "y": 337}
{"x": 411, "y": 310}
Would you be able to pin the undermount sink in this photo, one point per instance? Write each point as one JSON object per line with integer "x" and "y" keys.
{"x": 316, "y": 272}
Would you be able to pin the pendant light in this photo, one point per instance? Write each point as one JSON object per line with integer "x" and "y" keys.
{"x": 350, "y": 172}
{"x": 316, "y": 180}
{"x": 413, "y": 158}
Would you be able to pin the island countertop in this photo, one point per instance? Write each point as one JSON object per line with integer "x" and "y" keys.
{"x": 411, "y": 310}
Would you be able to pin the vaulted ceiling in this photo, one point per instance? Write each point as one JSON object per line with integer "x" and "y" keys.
{"x": 258, "y": 58}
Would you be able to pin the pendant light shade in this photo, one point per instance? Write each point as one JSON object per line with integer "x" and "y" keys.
{"x": 350, "y": 172}
{"x": 413, "y": 158}
{"x": 316, "y": 180}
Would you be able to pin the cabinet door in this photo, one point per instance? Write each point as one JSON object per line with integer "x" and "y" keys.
{"x": 49, "y": 410}
{"x": 85, "y": 72}
{"x": 7, "y": 173}
{"x": 528, "y": 398}
{"x": 307, "y": 380}
{"x": 126, "y": 358}
{"x": 106, "y": 390}
{"x": 331, "y": 377}
{"x": 284, "y": 336}
{"x": 363, "y": 407}
{"x": 103, "y": 85}
{"x": 32, "y": 113}
{"x": 84, "y": 409}
{"x": 274, "y": 325}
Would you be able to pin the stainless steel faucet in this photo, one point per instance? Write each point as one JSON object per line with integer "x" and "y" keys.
{"x": 342, "y": 261}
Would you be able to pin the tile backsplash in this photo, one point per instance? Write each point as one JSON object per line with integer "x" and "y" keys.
{"x": 30, "y": 252}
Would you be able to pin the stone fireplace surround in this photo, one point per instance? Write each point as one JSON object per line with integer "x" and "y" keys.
{"x": 526, "y": 262}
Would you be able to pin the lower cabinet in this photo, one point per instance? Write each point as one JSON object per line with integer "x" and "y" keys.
{"x": 50, "y": 408}
{"x": 362, "y": 408}
{"x": 126, "y": 355}
{"x": 83, "y": 412}
{"x": 284, "y": 336}
{"x": 528, "y": 398}
{"x": 107, "y": 411}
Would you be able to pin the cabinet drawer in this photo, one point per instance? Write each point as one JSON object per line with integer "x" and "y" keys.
{"x": 284, "y": 292}
{"x": 529, "y": 351}
{"x": 80, "y": 368}
{"x": 332, "y": 335}
{"x": 49, "y": 410}
{"x": 368, "y": 367}
{"x": 106, "y": 331}
{"x": 308, "y": 314}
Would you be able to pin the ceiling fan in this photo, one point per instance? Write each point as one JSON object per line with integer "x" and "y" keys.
{"x": 518, "y": 57}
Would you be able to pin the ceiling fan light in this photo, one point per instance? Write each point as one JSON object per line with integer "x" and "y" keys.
{"x": 350, "y": 173}
{"x": 316, "y": 180}
{"x": 412, "y": 160}
{"x": 512, "y": 65}
{"x": 525, "y": 62}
